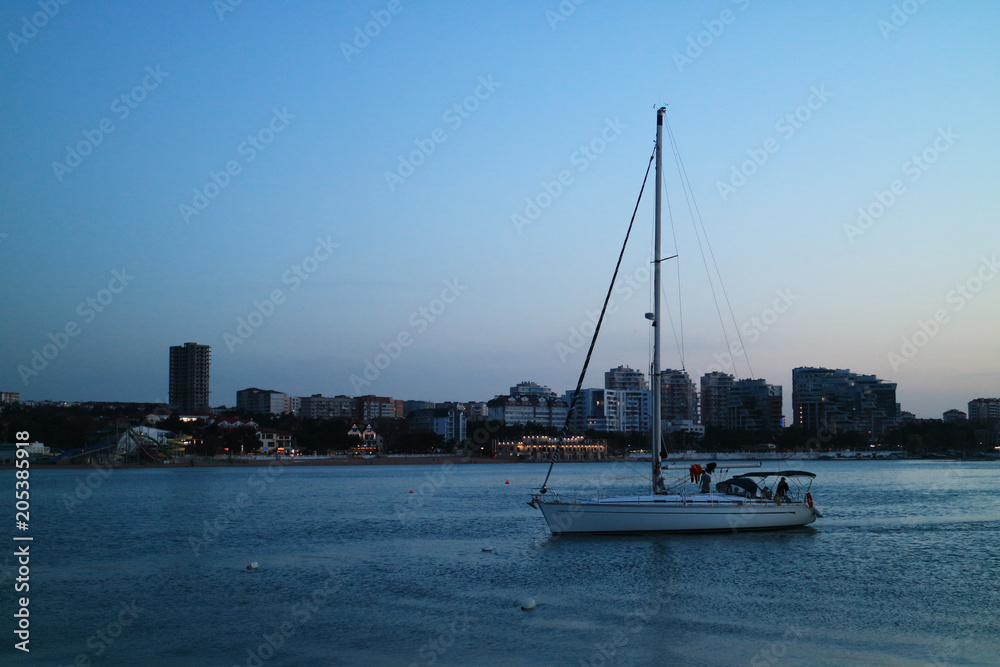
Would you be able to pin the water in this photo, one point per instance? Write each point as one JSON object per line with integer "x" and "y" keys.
{"x": 151, "y": 570}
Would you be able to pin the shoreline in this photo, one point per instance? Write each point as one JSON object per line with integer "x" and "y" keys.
{"x": 453, "y": 460}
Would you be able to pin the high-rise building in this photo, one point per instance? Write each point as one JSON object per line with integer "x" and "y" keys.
{"x": 528, "y": 409}
{"x": 318, "y": 406}
{"x": 982, "y": 409}
{"x": 715, "y": 388}
{"x": 372, "y": 407}
{"x": 590, "y": 411}
{"x": 625, "y": 378}
{"x": 448, "y": 422}
{"x": 476, "y": 410}
{"x": 678, "y": 397}
{"x": 531, "y": 389}
{"x": 840, "y": 401}
{"x": 189, "y": 376}
{"x": 264, "y": 401}
{"x": 620, "y": 410}
{"x": 754, "y": 405}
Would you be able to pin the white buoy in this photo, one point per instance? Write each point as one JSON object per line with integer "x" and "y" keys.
{"x": 528, "y": 605}
{"x": 252, "y": 566}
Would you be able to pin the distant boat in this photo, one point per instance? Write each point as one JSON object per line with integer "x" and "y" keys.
{"x": 744, "y": 502}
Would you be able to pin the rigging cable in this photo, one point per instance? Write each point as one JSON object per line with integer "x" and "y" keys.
{"x": 696, "y": 219}
{"x": 678, "y": 340}
{"x": 597, "y": 328}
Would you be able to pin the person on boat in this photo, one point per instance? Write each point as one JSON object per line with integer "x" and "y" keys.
{"x": 782, "y": 490}
{"x": 706, "y": 478}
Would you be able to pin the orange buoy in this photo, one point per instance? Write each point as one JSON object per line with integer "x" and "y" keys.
{"x": 411, "y": 490}
{"x": 507, "y": 482}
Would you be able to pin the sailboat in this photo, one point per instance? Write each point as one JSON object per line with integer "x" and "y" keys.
{"x": 744, "y": 502}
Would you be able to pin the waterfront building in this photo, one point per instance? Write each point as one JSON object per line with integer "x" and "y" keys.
{"x": 715, "y": 388}
{"x": 611, "y": 410}
{"x": 448, "y": 422}
{"x": 840, "y": 401}
{"x": 678, "y": 396}
{"x": 264, "y": 401}
{"x": 293, "y": 404}
{"x": 371, "y": 407}
{"x": 476, "y": 410}
{"x": 528, "y": 409}
{"x": 982, "y": 409}
{"x": 10, "y": 397}
{"x": 410, "y": 406}
{"x": 189, "y": 371}
{"x": 754, "y": 405}
{"x": 274, "y": 440}
{"x": 367, "y": 442}
{"x": 531, "y": 389}
{"x": 686, "y": 426}
{"x": 318, "y": 406}
{"x": 625, "y": 378}
{"x": 541, "y": 448}
{"x": 953, "y": 416}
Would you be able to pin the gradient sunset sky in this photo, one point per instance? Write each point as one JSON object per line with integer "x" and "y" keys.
{"x": 447, "y": 184}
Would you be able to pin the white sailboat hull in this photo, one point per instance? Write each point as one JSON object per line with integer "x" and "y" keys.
{"x": 671, "y": 514}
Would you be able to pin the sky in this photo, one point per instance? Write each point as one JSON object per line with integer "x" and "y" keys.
{"x": 426, "y": 200}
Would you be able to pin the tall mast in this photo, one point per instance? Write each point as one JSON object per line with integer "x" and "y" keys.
{"x": 658, "y": 486}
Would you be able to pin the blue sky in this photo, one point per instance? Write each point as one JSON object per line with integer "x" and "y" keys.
{"x": 253, "y": 141}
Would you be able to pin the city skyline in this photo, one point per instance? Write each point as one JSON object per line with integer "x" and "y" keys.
{"x": 388, "y": 199}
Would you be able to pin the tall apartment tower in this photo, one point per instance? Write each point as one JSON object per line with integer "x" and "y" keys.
{"x": 189, "y": 376}
{"x": 754, "y": 405}
{"x": 678, "y": 396}
{"x": 625, "y": 378}
{"x": 842, "y": 401}
{"x": 715, "y": 389}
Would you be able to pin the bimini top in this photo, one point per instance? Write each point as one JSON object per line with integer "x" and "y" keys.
{"x": 784, "y": 473}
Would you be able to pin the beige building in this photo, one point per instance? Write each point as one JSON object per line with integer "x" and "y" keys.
{"x": 541, "y": 448}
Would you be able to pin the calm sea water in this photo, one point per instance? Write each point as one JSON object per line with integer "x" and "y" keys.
{"x": 150, "y": 569}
